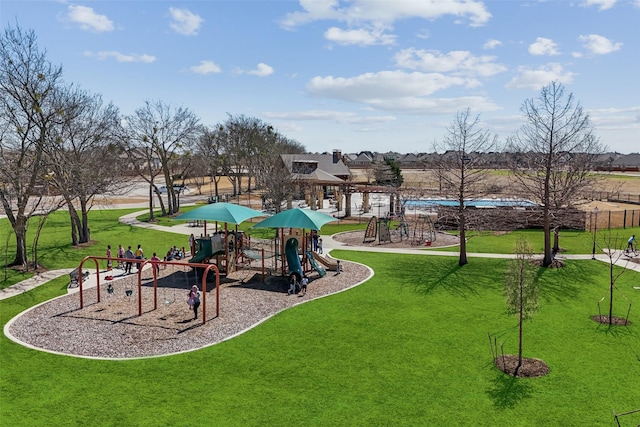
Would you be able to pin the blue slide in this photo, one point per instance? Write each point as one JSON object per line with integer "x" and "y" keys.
{"x": 321, "y": 271}
{"x": 293, "y": 260}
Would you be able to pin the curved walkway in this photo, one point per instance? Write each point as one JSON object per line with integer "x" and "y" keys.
{"x": 329, "y": 244}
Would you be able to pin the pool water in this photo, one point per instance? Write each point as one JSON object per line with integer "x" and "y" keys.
{"x": 482, "y": 203}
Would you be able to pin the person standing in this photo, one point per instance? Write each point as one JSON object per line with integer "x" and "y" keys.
{"x": 139, "y": 255}
{"x": 194, "y": 300}
{"x": 109, "y": 265}
{"x": 320, "y": 245}
{"x": 156, "y": 266}
{"x": 315, "y": 238}
{"x": 630, "y": 243}
{"x": 120, "y": 254}
{"x": 129, "y": 256}
{"x": 303, "y": 285}
{"x": 293, "y": 282}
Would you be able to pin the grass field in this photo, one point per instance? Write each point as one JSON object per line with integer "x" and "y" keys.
{"x": 408, "y": 347}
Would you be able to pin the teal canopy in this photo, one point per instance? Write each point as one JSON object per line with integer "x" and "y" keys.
{"x": 221, "y": 212}
{"x": 296, "y": 218}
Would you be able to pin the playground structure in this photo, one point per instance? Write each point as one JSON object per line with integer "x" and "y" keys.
{"x": 328, "y": 263}
{"x": 235, "y": 251}
{"x": 155, "y": 266}
{"x": 419, "y": 230}
{"x": 232, "y": 251}
{"x": 299, "y": 260}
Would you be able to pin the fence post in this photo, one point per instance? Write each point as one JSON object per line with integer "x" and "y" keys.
{"x": 624, "y": 221}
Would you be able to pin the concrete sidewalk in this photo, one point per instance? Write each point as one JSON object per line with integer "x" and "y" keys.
{"x": 328, "y": 245}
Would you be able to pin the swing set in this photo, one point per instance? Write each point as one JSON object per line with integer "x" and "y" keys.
{"x": 154, "y": 264}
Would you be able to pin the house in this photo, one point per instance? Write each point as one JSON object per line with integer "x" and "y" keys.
{"x": 626, "y": 163}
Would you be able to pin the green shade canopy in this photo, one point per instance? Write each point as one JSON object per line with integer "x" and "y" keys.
{"x": 296, "y": 218}
{"x": 221, "y": 212}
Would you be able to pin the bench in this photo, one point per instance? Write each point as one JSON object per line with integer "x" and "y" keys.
{"x": 74, "y": 278}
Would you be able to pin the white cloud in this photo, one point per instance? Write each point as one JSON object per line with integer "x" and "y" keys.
{"x": 206, "y": 67}
{"x": 385, "y": 13}
{"x": 599, "y": 45}
{"x": 331, "y": 115}
{"x": 616, "y": 118}
{"x": 120, "y": 57}
{"x": 184, "y": 22}
{"x": 603, "y": 4}
{"x": 535, "y": 79}
{"x": 360, "y": 37}
{"x": 382, "y": 85}
{"x": 262, "y": 70}
{"x": 543, "y": 46}
{"x": 89, "y": 20}
{"x": 458, "y": 61}
{"x": 491, "y": 44}
{"x": 397, "y": 91}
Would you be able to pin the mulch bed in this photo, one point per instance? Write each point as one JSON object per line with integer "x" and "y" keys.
{"x": 530, "y": 368}
{"x": 615, "y": 321}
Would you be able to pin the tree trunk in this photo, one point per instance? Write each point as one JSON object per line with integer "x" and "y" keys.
{"x": 20, "y": 229}
{"x": 463, "y": 240}
{"x": 611, "y": 283}
{"x": 85, "y": 233}
{"x": 151, "y": 216}
{"x": 83, "y": 226}
{"x": 546, "y": 262}
{"x": 73, "y": 219}
{"x": 520, "y": 319}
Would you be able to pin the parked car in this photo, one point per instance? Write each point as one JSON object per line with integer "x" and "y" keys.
{"x": 178, "y": 188}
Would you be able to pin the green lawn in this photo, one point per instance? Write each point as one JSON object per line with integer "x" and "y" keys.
{"x": 570, "y": 242}
{"x": 408, "y": 347}
{"x": 55, "y": 249}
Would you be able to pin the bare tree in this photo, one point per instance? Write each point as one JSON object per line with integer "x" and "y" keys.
{"x": 168, "y": 133}
{"x": 29, "y": 106}
{"x": 272, "y": 176}
{"x": 612, "y": 247}
{"x": 209, "y": 146}
{"x": 458, "y": 169}
{"x": 198, "y": 172}
{"x": 553, "y": 153}
{"x": 82, "y": 157}
{"x": 520, "y": 289}
{"x": 240, "y": 137}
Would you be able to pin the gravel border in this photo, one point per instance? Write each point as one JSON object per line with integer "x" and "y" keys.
{"x": 112, "y": 329}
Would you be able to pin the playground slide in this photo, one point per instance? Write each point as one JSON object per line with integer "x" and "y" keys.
{"x": 321, "y": 271}
{"x": 293, "y": 260}
{"x": 203, "y": 255}
{"x": 329, "y": 264}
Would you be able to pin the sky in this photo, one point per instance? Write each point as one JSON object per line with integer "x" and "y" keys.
{"x": 377, "y": 75}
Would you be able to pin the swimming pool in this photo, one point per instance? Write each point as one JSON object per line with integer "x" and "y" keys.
{"x": 479, "y": 203}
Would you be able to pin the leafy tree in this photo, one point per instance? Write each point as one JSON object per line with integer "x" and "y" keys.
{"x": 458, "y": 169}
{"x": 29, "y": 107}
{"x": 520, "y": 289}
{"x": 553, "y": 153}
